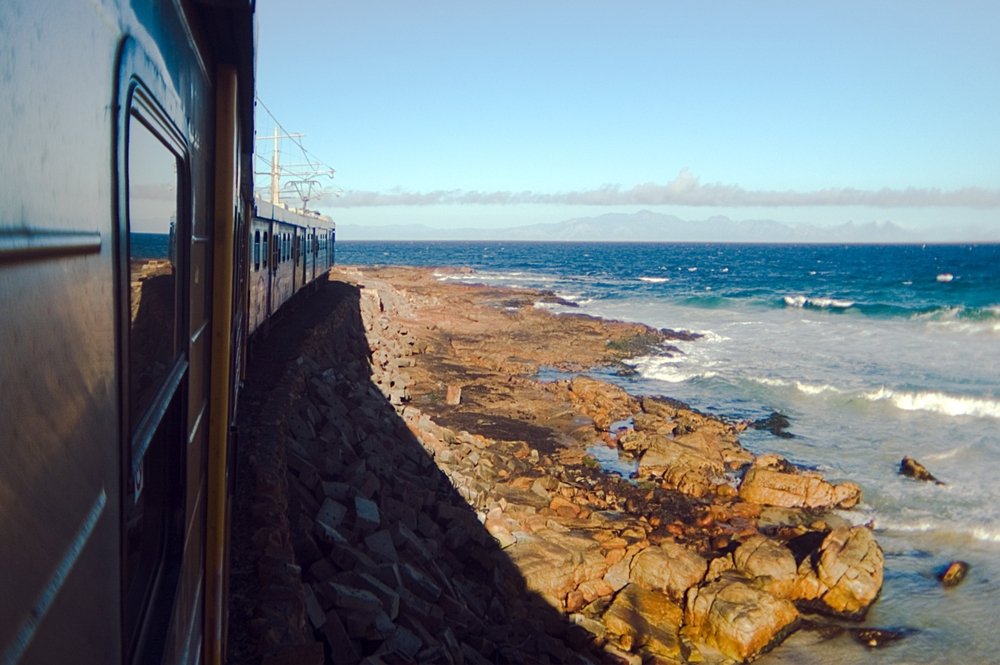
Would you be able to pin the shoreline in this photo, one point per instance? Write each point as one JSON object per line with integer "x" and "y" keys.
{"x": 710, "y": 553}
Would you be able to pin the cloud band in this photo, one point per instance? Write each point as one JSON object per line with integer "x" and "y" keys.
{"x": 687, "y": 190}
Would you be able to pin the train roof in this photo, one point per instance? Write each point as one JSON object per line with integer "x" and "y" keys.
{"x": 284, "y": 213}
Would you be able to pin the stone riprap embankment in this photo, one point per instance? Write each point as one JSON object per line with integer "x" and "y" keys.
{"x": 420, "y": 497}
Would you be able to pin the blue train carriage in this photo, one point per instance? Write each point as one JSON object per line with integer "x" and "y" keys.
{"x": 288, "y": 249}
{"x": 125, "y": 197}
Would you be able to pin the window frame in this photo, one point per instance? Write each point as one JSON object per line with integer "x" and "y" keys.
{"x": 148, "y": 583}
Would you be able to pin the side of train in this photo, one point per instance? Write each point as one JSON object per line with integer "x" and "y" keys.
{"x": 288, "y": 249}
{"x": 133, "y": 269}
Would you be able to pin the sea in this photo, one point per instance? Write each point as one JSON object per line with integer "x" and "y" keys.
{"x": 872, "y": 352}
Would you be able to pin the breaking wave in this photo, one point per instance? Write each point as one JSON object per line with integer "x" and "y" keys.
{"x": 801, "y": 386}
{"x": 666, "y": 369}
{"x": 817, "y": 303}
{"x": 935, "y": 402}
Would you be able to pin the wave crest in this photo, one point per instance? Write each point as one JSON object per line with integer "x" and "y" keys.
{"x": 940, "y": 403}
{"x": 666, "y": 369}
{"x": 818, "y": 303}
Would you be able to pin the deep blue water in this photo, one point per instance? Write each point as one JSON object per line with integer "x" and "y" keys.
{"x": 874, "y": 352}
{"x": 149, "y": 245}
{"x": 877, "y": 280}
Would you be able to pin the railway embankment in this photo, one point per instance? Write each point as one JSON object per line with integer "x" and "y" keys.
{"x": 411, "y": 492}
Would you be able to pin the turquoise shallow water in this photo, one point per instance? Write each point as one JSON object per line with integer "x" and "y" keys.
{"x": 873, "y": 352}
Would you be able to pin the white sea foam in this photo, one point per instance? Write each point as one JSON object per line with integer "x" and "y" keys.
{"x": 820, "y": 303}
{"x": 767, "y": 381}
{"x": 724, "y": 270}
{"x": 813, "y": 389}
{"x": 548, "y": 306}
{"x": 572, "y": 297}
{"x": 893, "y": 525}
{"x": 801, "y": 386}
{"x": 967, "y": 327}
{"x": 988, "y": 535}
{"x": 946, "y": 454}
{"x": 662, "y": 368}
{"x": 711, "y": 336}
{"x": 654, "y": 280}
{"x": 935, "y": 402}
{"x": 513, "y": 278}
{"x": 948, "y": 528}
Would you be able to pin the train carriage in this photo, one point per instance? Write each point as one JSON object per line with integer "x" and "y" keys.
{"x": 129, "y": 260}
{"x": 281, "y": 259}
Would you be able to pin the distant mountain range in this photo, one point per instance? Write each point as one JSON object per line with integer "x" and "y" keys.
{"x": 646, "y": 226}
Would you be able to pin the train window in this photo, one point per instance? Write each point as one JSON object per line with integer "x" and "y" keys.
{"x": 256, "y": 251}
{"x": 153, "y": 294}
{"x": 155, "y": 375}
{"x": 264, "y": 244}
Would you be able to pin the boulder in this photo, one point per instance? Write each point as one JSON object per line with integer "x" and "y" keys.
{"x": 776, "y": 424}
{"x": 740, "y": 620}
{"x": 554, "y": 563}
{"x": 769, "y": 482}
{"x": 874, "y": 638}
{"x": 645, "y": 618}
{"x": 686, "y": 464}
{"x": 911, "y": 468}
{"x": 669, "y": 567}
{"x": 954, "y": 573}
{"x": 762, "y": 557}
{"x": 604, "y": 402}
{"x": 638, "y": 441}
{"x": 653, "y": 424}
{"x": 843, "y": 577}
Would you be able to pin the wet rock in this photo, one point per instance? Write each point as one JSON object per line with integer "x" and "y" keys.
{"x": 911, "y": 468}
{"x": 844, "y": 576}
{"x": 954, "y": 573}
{"x": 766, "y": 485}
{"x": 737, "y": 618}
{"x": 684, "y": 464}
{"x": 776, "y": 424}
{"x": 604, "y": 402}
{"x": 874, "y": 638}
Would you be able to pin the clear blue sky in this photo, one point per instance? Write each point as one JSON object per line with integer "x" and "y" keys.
{"x": 466, "y": 113}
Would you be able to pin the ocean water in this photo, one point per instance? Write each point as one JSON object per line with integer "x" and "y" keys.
{"x": 873, "y": 352}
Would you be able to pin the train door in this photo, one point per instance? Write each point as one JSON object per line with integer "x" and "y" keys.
{"x": 313, "y": 252}
{"x": 300, "y": 259}
{"x": 272, "y": 278}
{"x": 155, "y": 257}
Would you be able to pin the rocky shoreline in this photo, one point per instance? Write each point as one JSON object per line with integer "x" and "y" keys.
{"x": 417, "y": 495}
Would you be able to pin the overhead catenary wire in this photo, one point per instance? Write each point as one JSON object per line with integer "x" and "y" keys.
{"x": 311, "y": 159}
{"x": 300, "y": 179}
